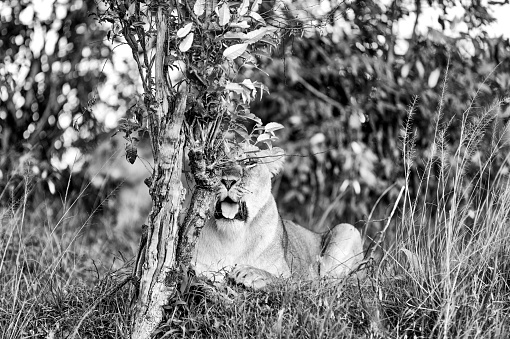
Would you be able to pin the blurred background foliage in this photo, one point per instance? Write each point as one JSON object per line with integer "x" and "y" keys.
{"x": 53, "y": 59}
{"x": 343, "y": 91}
{"x": 341, "y": 86}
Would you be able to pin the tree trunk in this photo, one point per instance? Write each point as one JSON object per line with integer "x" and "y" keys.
{"x": 156, "y": 265}
{"x": 199, "y": 210}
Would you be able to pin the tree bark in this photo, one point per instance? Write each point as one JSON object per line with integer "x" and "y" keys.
{"x": 157, "y": 259}
{"x": 199, "y": 210}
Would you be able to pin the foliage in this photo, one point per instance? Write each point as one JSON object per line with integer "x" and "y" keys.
{"x": 408, "y": 295}
{"x": 299, "y": 309}
{"x": 188, "y": 58}
{"x": 51, "y": 61}
{"x": 207, "y": 48}
{"x": 451, "y": 245}
{"x": 342, "y": 94}
{"x": 446, "y": 275}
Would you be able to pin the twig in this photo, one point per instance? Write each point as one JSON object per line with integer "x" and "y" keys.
{"x": 318, "y": 94}
{"x": 383, "y": 232}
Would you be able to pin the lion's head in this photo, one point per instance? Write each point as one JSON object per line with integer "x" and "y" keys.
{"x": 245, "y": 186}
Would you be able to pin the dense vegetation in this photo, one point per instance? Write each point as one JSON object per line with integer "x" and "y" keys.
{"x": 446, "y": 275}
{"x": 343, "y": 95}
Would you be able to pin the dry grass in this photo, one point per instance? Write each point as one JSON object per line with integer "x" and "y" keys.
{"x": 48, "y": 281}
{"x": 445, "y": 275}
{"x": 452, "y": 247}
{"x": 286, "y": 310}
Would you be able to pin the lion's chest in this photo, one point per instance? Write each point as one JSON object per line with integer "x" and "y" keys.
{"x": 216, "y": 254}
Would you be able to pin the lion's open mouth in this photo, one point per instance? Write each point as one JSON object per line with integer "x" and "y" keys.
{"x": 229, "y": 209}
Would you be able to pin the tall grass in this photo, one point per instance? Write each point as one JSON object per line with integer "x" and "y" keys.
{"x": 445, "y": 274}
{"x": 452, "y": 248}
{"x": 47, "y": 282}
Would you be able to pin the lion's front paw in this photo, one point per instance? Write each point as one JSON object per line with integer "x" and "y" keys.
{"x": 250, "y": 276}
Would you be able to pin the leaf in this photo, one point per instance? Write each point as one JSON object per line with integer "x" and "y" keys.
{"x": 243, "y": 8}
{"x": 269, "y": 42}
{"x": 131, "y": 10}
{"x": 253, "y": 117}
{"x": 242, "y": 24}
{"x": 131, "y": 153}
{"x": 241, "y": 131}
{"x": 257, "y": 17}
{"x": 246, "y": 97}
{"x": 356, "y": 186}
{"x": 269, "y": 142}
{"x": 51, "y": 186}
{"x": 182, "y": 32}
{"x": 367, "y": 176}
{"x": 249, "y": 58}
{"x": 404, "y": 72}
{"x": 356, "y": 147}
{"x": 248, "y": 83}
{"x": 199, "y": 7}
{"x": 434, "y": 77}
{"x": 234, "y": 51}
{"x": 232, "y": 86}
{"x": 224, "y": 14}
{"x": 265, "y": 137}
{"x": 235, "y": 35}
{"x": 420, "y": 68}
{"x": 273, "y": 126}
{"x": 186, "y": 43}
{"x": 255, "y": 6}
{"x": 344, "y": 185}
{"x": 254, "y": 36}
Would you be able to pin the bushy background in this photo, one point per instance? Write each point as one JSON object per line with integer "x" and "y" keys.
{"x": 342, "y": 91}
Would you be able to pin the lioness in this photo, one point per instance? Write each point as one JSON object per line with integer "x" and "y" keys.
{"x": 248, "y": 233}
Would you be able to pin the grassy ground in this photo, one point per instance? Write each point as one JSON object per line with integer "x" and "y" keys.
{"x": 52, "y": 290}
{"x": 445, "y": 275}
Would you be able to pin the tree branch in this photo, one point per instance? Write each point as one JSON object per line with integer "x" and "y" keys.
{"x": 319, "y": 94}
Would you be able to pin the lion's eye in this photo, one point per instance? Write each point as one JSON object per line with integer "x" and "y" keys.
{"x": 249, "y": 163}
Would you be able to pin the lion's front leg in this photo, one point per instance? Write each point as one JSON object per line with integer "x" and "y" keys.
{"x": 250, "y": 276}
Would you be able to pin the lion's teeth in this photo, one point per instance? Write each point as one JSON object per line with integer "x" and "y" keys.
{"x": 229, "y": 210}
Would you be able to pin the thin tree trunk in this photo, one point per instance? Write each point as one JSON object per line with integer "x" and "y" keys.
{"x": 199, "y": 210}
{"x": 158, "y": 257}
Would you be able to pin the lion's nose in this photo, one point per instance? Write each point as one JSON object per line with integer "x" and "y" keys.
{"x": 228, "y": 183}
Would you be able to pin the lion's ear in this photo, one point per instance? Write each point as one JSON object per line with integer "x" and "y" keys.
{"x": 275, "y": 160}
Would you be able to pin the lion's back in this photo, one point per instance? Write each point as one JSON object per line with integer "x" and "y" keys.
{"x": 302, "y": 249}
